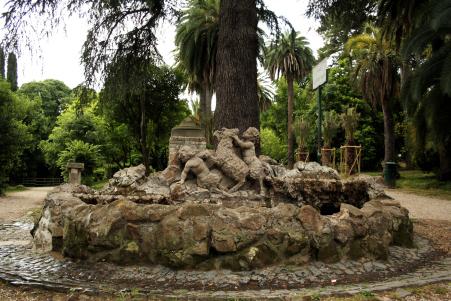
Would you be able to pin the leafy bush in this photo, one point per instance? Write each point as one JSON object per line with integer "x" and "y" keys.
{"x": 349, "y": 122}
{"x": 79, "y": 151}
{"x": 272, "y": 146}
{"x": 331, "y": 124}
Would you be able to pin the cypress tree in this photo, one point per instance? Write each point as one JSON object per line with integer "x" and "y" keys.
{"x": 2, "y": 63}
{"x": 11, "y": 74}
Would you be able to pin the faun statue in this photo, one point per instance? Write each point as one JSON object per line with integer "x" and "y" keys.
{"x": 247, "y": 145}
{"x": 205, "y": 178}
{"x": 227, "y": 160}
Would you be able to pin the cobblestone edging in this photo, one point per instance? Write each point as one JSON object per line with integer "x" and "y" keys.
{"x": 405, "y": 267}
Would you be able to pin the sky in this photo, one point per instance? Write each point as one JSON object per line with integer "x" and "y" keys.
{"x": 59, "y": 54}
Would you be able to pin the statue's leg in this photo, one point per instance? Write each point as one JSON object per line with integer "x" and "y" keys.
{"x": 238, "y": 185}
{"x": 219, "y": 191}
{"x": 262, "y": 186}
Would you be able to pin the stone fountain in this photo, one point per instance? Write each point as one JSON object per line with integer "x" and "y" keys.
{"x": 222, "y": 209}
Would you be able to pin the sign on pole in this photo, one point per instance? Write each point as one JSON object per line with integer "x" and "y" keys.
{"x": 320, "y": 73}
{"x": 319, "y": 78}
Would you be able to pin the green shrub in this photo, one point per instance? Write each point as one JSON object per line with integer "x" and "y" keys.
{"x": 272, "y": 146}
{"x": 82, "y": 152}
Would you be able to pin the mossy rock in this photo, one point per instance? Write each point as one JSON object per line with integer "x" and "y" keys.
{"x": 75, "y": 242}
{"x": 404, "y": 235}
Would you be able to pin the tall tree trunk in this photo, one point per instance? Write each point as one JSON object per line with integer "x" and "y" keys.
{"x": 290, "y": 122}
{"x": 405, "y": 73}
{"x": 444, "y": 154}
{"x": 143, "y": 134}
{"x": 236, "y": 77}
{"x": 202, "y": 106}
{"x": 208, "y": 115}
{"x": 389, "y": 132}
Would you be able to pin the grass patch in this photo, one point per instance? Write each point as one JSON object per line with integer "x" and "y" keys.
{"x": 421, "y": 183}
{"x": 16, "y": 188}
{"x": 35, "y": 214}
{"x": 373, "y": 173}
{"x": 439, "y": 291}
{"x": 99, "y": 185}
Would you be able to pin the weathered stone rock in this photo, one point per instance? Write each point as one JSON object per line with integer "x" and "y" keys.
{"x": 311, "y": 219}
{"x": 375, "y": 186}
{"x": 132, "y": 176}
{"x": 212, "y": 236}
{"x": 315, "y": 170}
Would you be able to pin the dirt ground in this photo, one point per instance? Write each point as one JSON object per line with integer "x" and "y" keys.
{"x": 18, "y": 204}
{"x": 423, "y": 207}
{"x": 432, "y": 219}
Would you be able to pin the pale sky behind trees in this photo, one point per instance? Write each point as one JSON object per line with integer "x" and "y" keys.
{"x": 59, "y": 54}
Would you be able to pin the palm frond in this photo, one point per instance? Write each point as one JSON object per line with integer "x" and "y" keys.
{"x": 290, "y": 55}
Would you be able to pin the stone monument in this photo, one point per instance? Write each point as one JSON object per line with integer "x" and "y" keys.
{"x": 75, "y": 170}
{"x": 186, "y": 133}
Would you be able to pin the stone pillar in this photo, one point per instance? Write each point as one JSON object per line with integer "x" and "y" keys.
{"x": 75, "y": 172}
{"x": 186, "y": 133}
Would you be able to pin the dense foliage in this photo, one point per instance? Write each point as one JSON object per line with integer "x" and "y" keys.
{"x": 406, "y": 49}
{"x": 427, "y": 91}
{"x": 339, "y": 94}
{"x": 146, "y": 98}
{"x": 14, "y": 136}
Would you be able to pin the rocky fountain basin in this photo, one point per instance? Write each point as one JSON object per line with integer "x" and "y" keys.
{"x": 241, "y": 231}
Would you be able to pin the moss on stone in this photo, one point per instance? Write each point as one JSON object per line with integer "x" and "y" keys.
{"x": 75, "y": 242}
{"x": 404, "y": 235}
{"x": 356, "y": 250}
{"x": 132, "y": 247}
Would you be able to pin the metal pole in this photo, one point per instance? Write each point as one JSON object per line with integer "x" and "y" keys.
{"x": 320, "y": 122}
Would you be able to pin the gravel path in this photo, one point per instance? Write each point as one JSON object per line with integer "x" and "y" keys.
{"x": 423, "y": 207}
{"x": 17, "y": 204}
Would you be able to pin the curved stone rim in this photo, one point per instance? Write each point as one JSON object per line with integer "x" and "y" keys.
{"x": 423, "y": 273}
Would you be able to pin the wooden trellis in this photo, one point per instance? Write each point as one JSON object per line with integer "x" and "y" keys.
{"x": 350, "y": 167}
{"x": 332, "y": 154}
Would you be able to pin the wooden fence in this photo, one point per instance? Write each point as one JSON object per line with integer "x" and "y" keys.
{"x": 41, "y": 182}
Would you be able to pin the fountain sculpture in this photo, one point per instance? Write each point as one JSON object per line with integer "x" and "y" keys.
{"x": 223, "y": 209}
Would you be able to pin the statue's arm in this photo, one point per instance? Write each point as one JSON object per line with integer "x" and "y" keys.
{"x": 241, "y": 143}
{"x": 185, "y": 172}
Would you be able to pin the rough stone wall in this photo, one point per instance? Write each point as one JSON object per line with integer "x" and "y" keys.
{"x": 209, "y": 236}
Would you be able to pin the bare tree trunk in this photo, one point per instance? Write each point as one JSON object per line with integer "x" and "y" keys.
{"x": 202, "y": 105}
{"x": 236, "y": 78}
{"x": 389, "y": 132}
{"x": 208, "y": 115}
{"x": 143, "y": 138}
{"x": 445, "y": 162}
{"x": 290, "y": 122}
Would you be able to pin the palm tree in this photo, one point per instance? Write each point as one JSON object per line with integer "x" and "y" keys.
{"x": 376, "y": 71}
{"x": 397, "y": 18}
{"x": 196, "y": 40}
{"x": 427, "y": 92}
{"x": 290, "y": 57}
